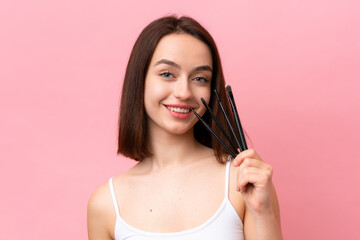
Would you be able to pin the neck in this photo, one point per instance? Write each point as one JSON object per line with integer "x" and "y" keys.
{"x": 170, "y": 151}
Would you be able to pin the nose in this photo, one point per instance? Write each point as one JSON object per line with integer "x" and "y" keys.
{"x": 182, "y": 89}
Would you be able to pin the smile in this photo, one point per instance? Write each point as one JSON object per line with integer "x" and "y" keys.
{"x": 178, "y": 110}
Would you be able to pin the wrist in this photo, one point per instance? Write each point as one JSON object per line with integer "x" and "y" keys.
{"x": 264, "y": 215}
{"x": 262, "y": 211}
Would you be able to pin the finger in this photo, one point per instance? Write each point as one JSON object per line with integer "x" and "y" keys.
{"x": 245, "y": 179}
{"x": 246, "y": 171}
{"x": 251, "y": 162}
{"x": 258, "y": 179}
{"x": 256, "y": 176}
{"x": 264, "y": 174}
{"x": 250, "y": 153}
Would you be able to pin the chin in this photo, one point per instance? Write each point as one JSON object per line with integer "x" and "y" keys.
{"x": 179, "y": 130}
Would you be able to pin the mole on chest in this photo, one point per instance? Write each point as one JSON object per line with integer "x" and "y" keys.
{"x": 151, "y": 210}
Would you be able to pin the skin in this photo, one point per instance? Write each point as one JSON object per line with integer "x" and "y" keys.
{"x": 164, "y": 187}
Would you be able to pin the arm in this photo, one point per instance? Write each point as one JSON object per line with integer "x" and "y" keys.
{"x": 262, "y": 214}
{"x": 99, "y": 215}
{"x": 265, "y": 226}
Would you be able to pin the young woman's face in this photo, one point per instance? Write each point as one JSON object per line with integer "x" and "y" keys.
{"x": 179, "y": 75}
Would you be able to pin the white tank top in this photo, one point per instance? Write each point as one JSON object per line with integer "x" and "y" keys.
{"x": 224, "y": 224}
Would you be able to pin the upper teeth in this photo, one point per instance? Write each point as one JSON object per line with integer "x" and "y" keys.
{"x": 179, "y": 110}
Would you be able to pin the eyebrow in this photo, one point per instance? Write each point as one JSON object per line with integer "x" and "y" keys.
{"x": 203, "y": 68}
{"x": 171, "y": 63}
{"x": 168, "y": 62}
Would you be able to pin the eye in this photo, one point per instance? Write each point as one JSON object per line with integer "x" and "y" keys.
{"x": 201, "y": 80}
{"x": 167, "y": 75}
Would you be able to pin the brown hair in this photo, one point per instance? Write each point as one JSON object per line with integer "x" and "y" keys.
{"x": 132, "y": 141}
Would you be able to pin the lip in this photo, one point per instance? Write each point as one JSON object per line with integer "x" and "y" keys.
{"x": 186, "y": 106}
{"x": 176, "y": 114}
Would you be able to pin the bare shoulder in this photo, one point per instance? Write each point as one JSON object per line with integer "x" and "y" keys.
{"x": 100, "y": 200}
{"x": 101, "y": 214}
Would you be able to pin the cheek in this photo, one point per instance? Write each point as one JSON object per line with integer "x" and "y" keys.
{"x": 159, "y": 90}
{"x": 154, "y": 92}
{"x": 205, "y": 94}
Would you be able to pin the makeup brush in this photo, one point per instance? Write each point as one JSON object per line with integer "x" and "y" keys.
{"x": 214, "y": 134}
{"x": 219, "y": 125}
{"x": 236, "y": 117}
{"x": 227, "y": 119}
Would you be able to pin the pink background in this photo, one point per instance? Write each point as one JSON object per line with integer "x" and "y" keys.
{"x": 293, "y": 67}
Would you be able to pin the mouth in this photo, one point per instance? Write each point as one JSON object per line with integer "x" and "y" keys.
{"x": 178, "y": 109}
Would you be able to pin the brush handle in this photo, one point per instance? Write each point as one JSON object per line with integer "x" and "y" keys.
{"x": 214, "y": 134}
{"x": 237, "y": 120}
{"x": 219, "y": 125}
{"x": 227, "y": 119}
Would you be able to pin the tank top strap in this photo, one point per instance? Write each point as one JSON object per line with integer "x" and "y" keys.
{"x": 111, "y": 185}
{"x": 227, "y": 174}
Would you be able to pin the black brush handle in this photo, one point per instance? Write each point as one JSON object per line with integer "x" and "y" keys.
{"x": 227, "y": 119}
{"x": 219, "y": 125}
{"x": 236, "y": 118}
{"x": 214, "y": 134}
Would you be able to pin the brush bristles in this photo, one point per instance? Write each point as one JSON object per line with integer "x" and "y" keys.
{"x": 228, "y": 87}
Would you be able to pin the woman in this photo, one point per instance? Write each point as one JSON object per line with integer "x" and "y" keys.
{"x": 183, "y": 186}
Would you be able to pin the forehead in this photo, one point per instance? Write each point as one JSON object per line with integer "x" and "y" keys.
{"x": 183, "y": 49}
